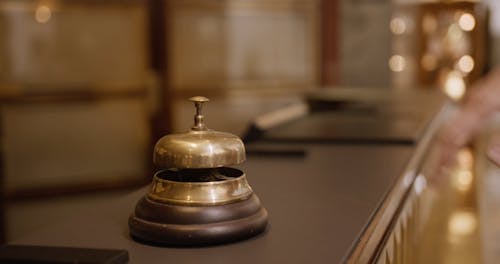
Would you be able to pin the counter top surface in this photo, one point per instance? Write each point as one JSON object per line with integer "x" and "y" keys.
{"x": 318, "y": 206}
{"x": 318, "y": 203}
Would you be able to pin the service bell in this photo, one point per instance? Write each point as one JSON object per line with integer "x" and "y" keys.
{"x": 197, "y": 199}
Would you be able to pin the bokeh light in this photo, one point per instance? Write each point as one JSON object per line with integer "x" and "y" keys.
{"x": 398, "y": 26}
{"x": 397, "y": 63}
{"x": 462, "y": 223}
{"x": 466, "y": 64}
{"x": 43, "y": 14}
{"x": 454, "y": 85}
{"x": 467, "y": 22}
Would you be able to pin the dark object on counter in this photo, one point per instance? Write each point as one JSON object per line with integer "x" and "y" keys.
{"x": 350, "y": 116}
{"x": 196, "y": 200}
{"x": 61, "y": 255}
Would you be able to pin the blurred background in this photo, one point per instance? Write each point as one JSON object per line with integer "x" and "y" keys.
{"x": 88, "y": 86}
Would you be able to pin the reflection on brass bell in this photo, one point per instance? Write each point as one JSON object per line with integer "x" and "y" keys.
{"x": 196, "y": 199}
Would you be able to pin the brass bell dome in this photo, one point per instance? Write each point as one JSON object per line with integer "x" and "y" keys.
{"x": 195, "y": 199}
{"x": 200, "y": 147}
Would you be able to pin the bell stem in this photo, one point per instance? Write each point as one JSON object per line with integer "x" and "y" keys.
{"x": 199, "y": 123}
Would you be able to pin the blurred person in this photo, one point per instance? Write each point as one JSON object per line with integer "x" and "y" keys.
{"x": 479, "y": 106}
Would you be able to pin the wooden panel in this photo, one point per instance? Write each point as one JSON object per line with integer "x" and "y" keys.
{"x": 330, "y": 20}
{"x": 243, "y": 44}
{"x": 61, "y": 144}
{"x": 77, "y": 93}
{"x": 364, "y": 43}
{"x": 69, "y": 44}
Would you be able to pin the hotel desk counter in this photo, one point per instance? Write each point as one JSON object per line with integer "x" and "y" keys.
{"x": 319, "y": 205}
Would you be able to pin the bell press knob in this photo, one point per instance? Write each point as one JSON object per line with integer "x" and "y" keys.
{"x": 199, "y": 123}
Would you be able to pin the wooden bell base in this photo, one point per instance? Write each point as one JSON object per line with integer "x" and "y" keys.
{"x": 179, "y": 225}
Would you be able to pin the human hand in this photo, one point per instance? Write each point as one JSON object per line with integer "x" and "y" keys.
{"x": 494, "y": 150}
{"x": 480, "y": 104}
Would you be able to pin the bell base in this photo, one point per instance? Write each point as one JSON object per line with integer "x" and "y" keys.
{"x": 167, "y": 225}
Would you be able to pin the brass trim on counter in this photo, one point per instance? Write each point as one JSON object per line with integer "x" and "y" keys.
{"x": 372, "y": 240}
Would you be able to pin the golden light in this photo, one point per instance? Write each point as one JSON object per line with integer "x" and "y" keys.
{"x": 462, "y": 176}
{"x": 398, "y": 26}
{"x": 467, "y": 22}
{"x": 461, "y": 223}
{"x": 397, "y": 63}
{"x": 454, "y": 85}
{"x": 462, "y": 180}
{"x": 466, "y": 64}
{"x": 429, "y": 62}
{"x": 465, "y": 158}
{"x": 43, "y": 14}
